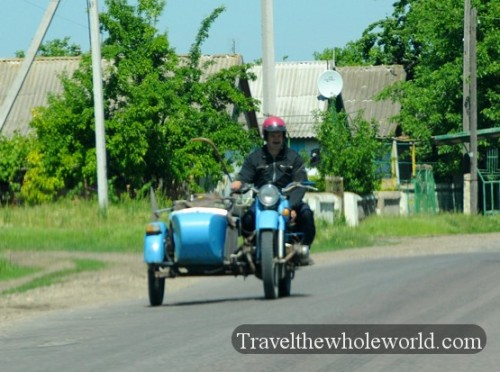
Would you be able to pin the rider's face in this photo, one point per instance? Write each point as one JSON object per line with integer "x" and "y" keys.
{"x": 275, "y": 140}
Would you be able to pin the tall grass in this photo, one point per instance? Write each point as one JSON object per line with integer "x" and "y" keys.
{"x": 439, "y": 224}
{"x": 381, "y": 230}
{"x": 75, "y": 226}
{"x": 78, "y": 226}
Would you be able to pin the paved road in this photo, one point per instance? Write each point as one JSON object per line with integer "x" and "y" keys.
{"x": 192, "y": 331}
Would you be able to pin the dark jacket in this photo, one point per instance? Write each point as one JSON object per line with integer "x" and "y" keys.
{"x": 260, "y": 168}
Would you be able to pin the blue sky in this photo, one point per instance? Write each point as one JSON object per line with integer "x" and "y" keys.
{"x": 301, "y": 27}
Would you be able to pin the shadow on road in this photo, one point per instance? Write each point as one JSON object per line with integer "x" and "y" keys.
{"x": 229, "y": 300}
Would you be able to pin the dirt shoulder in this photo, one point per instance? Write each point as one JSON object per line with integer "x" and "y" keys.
{"x": 124, "y": 278}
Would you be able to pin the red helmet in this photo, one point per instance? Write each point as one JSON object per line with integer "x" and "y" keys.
{"x": 273, "y": 124}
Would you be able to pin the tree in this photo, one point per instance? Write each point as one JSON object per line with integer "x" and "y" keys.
{"x": 59, "y": 47}
{"x": 155, "y": 103}
{"x": 427, "y": 38}
{"x": 432, "y": 101}
{"x": 349, "y": 150}
{"x": 384, "y": 42}
{"x": 55, "y": 48}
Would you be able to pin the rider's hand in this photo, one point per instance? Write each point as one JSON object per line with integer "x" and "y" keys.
{"x": 236, "y": 185}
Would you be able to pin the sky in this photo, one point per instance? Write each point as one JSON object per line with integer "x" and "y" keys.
{"x": 301, "y": 27}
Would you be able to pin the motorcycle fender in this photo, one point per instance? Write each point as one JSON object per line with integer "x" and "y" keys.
{"x": 154, "y": 243}
{"x": 267, "y": 220}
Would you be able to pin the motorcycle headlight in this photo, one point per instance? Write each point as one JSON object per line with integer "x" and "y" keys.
{"x": 268, "y": 195}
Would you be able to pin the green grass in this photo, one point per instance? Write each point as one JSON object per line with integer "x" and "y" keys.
{"x": 81, "y": 265}
{"x": 379, "y": 230}
{"x": 74, "y": 226}
{"x": 9, "y": 270}
{"x": 79, "y": 226}
{"x": 439, "y": 224}
{"x": 69, "y": 226}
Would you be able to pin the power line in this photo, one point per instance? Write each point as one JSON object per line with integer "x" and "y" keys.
{"x": 85, "y": 26}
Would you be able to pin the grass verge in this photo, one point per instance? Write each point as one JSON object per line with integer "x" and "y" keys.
{"x": 9, "y": 270}
{"x": 76, "y": 225}
{"x": 81, "y": 265}
{"x": 377, "y": 230}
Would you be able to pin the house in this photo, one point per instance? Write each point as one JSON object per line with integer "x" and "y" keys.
{"x": 43, "y": 78}
{"x": 298, "y": 98}
{"x": 297, "y": 95}
{"x": 40, "y": 81}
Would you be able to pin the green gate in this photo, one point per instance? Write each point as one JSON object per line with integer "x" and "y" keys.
{"x": 425, "y": 190}
{"x": 490, "y": 179}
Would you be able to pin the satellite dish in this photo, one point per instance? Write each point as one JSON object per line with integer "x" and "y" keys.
{"x": 330, "y": 84}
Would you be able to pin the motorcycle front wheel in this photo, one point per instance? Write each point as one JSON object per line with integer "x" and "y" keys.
{"x": 270, "y": 272}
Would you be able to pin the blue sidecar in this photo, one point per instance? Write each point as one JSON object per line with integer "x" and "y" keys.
{"x": 200, "y": 238}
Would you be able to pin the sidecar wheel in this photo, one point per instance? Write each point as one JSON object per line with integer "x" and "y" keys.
{"x": 285, "y": 284}
{"x": 156, "y": 288}
{"x": 269, "y": 268}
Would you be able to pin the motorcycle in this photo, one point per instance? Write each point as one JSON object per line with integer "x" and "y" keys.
{"x": 202, "y": 236}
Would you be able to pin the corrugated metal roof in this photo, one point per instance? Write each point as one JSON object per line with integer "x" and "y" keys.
{"x": 362, "y": 84}
{"x": 219, "y": 62}
{"x": 43, "y": 79}
{"x": 296, "y": 85}
{"x": 297, "y": 94}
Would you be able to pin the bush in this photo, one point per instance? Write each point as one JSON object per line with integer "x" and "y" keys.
{"x": 13, "y": 155}
{"x": 349, "y": 150}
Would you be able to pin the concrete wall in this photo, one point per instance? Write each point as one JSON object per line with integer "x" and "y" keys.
{"x": 325, "y": 205}
{"x": 389, "y": 203}
{"x": 329, "y": 206}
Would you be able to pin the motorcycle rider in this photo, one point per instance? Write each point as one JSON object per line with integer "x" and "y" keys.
{"x": 276, "y": 163}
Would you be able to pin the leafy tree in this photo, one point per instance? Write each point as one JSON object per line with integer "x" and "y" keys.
{"x": 427, "y": 38}
{"x": 432, "y": 101}
{"x": 349, "y": 150}
{"x": 55, "y": 48}
{"x": 384, "y": 42}
{"x": 155, "y": 103}
{"x": 347, "y": 56}
{"x": 59, "y": 47}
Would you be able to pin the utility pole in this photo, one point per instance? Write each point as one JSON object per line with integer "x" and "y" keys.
{"x": 470, "y": 99}
{"x": 473, "y": 114}
{"x": 100, "y": 142}
{"x": 27, "y": 62}
{"x": 466, "y": 71}
{"x": 268, "y": 60}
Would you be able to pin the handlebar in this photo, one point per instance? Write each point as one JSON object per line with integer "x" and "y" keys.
{"x": 304, "y": 184}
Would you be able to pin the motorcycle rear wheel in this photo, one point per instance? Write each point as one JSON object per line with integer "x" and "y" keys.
{"x": 285, "y": 284}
